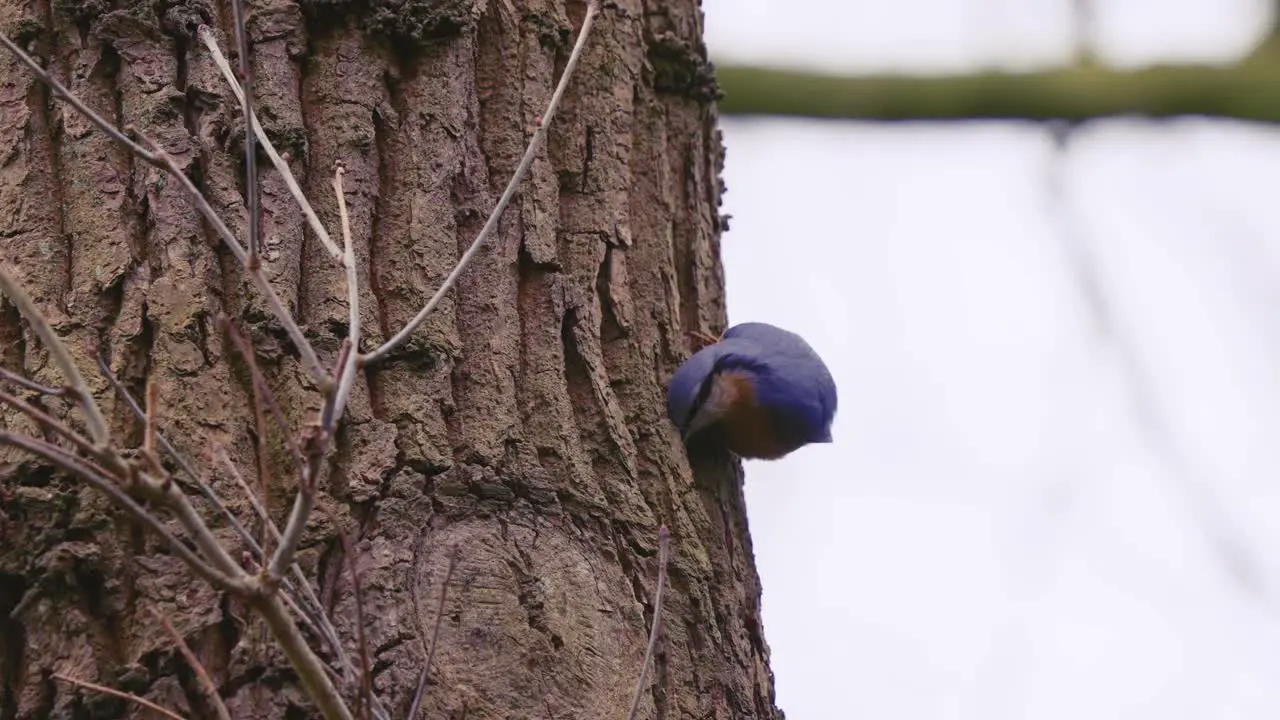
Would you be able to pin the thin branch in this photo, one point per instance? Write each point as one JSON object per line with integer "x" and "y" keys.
{"x": 153, "y": 155}
{"x": 323, "y": 628}
{"x": 60, "y": 354}
{"x": 328, "y": 414}
{"x": 250, "y": 154}
{"x": 366, "y": 666}
{"x": 120, "y": 694}
{"x": 313, "y": 673}
{"x": 96, "y": 478}
{"x": 539, "y": 135}
{"x": 305, "y": 615}
{"x": 149, "y": 427}
{"x": 315, "y": 443}
{"x": 347, "y": 379}
{"x": 297, "y": 612}
{"x": 260, "y": 430}
{"x": 663, "y": 546}
{"x": 308, "y": 616}
{"x": 297, "y": 523}
{"x": 188, "y": 517}
{"x": 59, "y": 91}
{"x": 261, "y": 390}
{"x": 309, "y": 465}
{"x": 309, "y": 358}
{"x": 165, "y": 492}
{"x": 172, "y": 497}
{"x": 281, "y": 166}
{"x": 202, "y": 674}
{"x": 262, "y": 397}
{"x": 273, "y": 608}
{"x": 20, "y": 381}
{"x": 435, "y": 635}
{"x": 192, "y": 476}
{"x": 47, "y": 421}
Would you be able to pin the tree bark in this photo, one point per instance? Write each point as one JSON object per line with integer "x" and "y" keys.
{"x": 523, "y": 424}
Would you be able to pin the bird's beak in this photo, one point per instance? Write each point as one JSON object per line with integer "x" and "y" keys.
{"x": 697, "y": 424}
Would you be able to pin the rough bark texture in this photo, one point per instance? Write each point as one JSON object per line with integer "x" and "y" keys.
{"x": 524, "y": 423}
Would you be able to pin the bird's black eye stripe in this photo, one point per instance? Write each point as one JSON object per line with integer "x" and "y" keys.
{"x": 704, "y": 391}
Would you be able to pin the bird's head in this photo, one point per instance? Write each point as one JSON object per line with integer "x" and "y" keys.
{"x": 755, "y": 369}
{"x": 697, "y": 394}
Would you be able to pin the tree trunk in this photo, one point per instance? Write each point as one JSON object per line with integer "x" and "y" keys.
{"x": 523, "y": 424}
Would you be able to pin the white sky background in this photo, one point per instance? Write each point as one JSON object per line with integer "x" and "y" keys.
{"x": 1029, "y": 511}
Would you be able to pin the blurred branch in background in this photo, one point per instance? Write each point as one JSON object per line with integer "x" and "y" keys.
{"x": 1246, "y": 90}
{"x": 1225, "y": 536}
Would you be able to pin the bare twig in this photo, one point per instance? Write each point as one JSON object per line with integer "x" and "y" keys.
{"x": 60, "y": 354}
{"x": 315, "y": 443}
{"x": 149, "y": 427}
{"x": 262, "y": 397}
{"x": 180, "y": 505}
{"x": 250, "y": 154}
{"x": 261, "y": 390}
{"x": 318, "y": 437}
{"x": 292, "y": 533}
{"x": 192, "y": 476}
{"x": 539, "y": 135}
{"x": 61, "y": 92}
{"x": 308, "y": 616}
{"x": 202, "y": 674}
{"x": 299, "y": 655}
{"x": 420, "y": 691}
{"x": 348, "y": 373}
{"x": 297, "y": 611}
{"x": 47, "y": 421}
{"x": 260, "y": 430}
{"x": 97, "y": 478}
{"x": 220, "y": 453}
{"x": 120, "y": 694}
{"x": 323, "y": 627}
{"x": 314, "y": 675}
{"x": 281, "y": 166}
{"x": 309, "y": 358}
{"x": 151, "y": 154}
{"x": 366, "y": 666}
{"x": 19, "y": 380}
{"x": 224, "y": 572}
{"x": 273, "y": 607}
{"x": 663, "y": 547}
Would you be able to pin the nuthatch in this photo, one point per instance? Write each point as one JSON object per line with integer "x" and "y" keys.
{"x": 761, "y": 391}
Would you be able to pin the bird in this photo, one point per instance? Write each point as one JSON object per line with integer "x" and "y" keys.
{"x": 759, "y": 391}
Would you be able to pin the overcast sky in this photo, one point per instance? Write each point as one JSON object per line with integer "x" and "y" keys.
{"x": 1055, "y": 484}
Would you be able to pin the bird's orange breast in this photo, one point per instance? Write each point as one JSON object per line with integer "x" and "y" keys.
{"x": 745, "y": 427}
